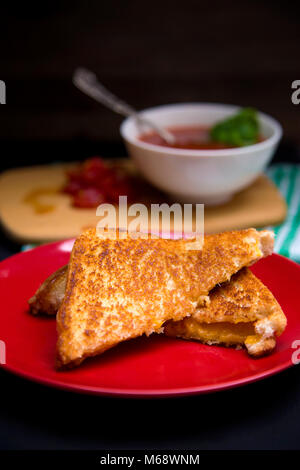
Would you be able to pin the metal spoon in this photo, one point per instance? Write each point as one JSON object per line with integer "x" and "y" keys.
{"x": 87, "y": 82}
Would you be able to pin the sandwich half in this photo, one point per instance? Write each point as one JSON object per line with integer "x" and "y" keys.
{"x": 242, "y": 312}
{"x": 118, "y": 289}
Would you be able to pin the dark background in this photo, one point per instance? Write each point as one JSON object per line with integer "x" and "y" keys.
{"x": 149, "y": 53}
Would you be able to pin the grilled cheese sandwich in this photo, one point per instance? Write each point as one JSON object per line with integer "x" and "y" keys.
{"x": 120, "y": 289}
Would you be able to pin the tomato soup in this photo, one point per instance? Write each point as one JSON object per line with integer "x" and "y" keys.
{"x": 187, "y": 137}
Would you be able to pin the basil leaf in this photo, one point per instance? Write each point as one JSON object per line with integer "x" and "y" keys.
{"x": 239, "y": 130}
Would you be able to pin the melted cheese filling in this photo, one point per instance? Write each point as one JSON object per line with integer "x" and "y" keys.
{"x": 213, "y": 333}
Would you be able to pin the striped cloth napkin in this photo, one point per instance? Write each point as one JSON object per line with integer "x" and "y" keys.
{"x": 287, "y": 235}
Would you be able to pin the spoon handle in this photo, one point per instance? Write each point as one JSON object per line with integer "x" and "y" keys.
{"x": 87, "y": 82}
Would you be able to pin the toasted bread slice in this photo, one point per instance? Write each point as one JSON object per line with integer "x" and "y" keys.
{"x": 121, "y": 289}
{"x": 48, "y": 297}
{"x": 242, "y": 312}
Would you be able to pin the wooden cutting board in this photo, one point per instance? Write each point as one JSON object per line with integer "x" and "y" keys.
{"x": 33, "y": 210}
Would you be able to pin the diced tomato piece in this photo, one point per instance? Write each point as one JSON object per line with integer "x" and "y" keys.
{"x": 88, "y": 197}
{"x": 93, "y": 170}
{"x": 93, "y": 182}
{"x": 72, "y": 187}
{"x": 74, "y": 174}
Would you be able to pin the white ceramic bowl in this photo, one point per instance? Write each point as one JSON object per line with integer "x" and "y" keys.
{"x": 203, "y": 176}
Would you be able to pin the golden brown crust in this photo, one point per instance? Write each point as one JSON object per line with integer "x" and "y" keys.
{"x": 49, "y": 296}
{"x": 120, "y": 289}
{"x": 245, "y": 298}
{"x": 258, "y": 346}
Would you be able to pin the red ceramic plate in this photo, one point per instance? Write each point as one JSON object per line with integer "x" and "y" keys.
{"x": 145, "y": 367}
